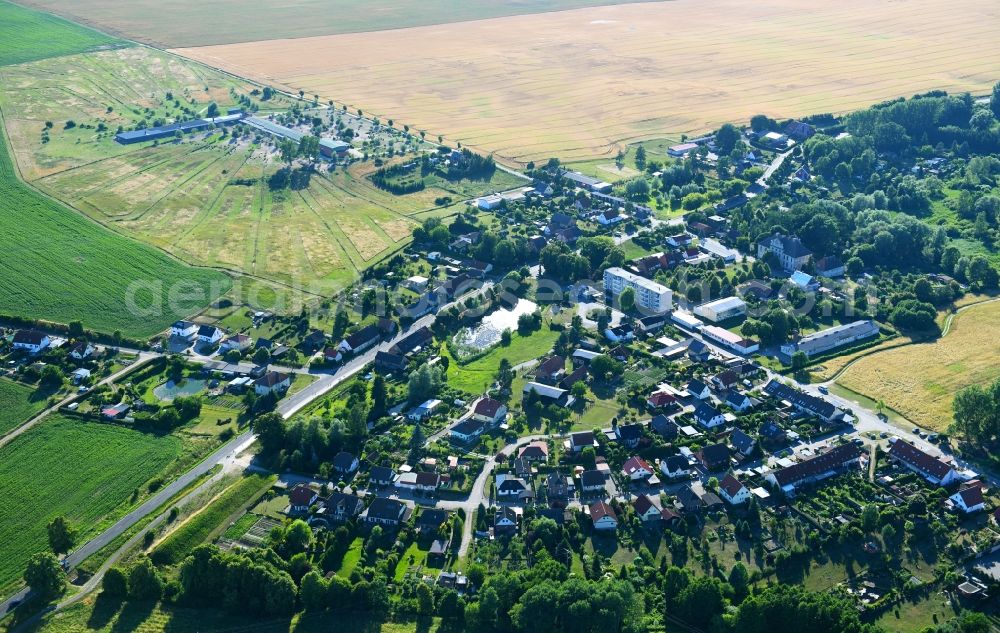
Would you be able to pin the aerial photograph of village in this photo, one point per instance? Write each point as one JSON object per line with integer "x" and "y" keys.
{"x": 500, "y": 316}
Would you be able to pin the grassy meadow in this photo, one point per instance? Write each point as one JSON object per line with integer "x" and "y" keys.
{"x": 18, "y": 402}
{"x": 30, "y": 35}
{"x": 85, "y": 471}
{"x": 920, "y": 380}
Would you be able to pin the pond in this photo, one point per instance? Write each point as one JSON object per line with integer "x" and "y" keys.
{"x": 487, "y": 334}
{"x": 186, "y": 387}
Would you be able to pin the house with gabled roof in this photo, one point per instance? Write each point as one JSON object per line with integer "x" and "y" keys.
{"x": 535, "y": 451}
{"x": 934, "y": 470}
{"x": 698, "y": 389}
{"x": 509, "y": 486}
{"x": 664, "y": 427}
{"x": 714, "y": 457}
{"x": 647, "y": 509}
{"x": 743, "y": 444}
{"x": 592, "y": 482}
{"x": 637, "y": 469}
{"x": 661, "y": 400}
{"x": 628, "y": 435}
{"x": 361, "y": 340}
{"x": 790, "y": 252}
{"x": 272, "y": 382}
{"x": 489, "y": 411}
{"x": 969, "y": 498}
{"x": 385, "y": 512}
{"x": 822, "y": 466}
{"x": 675, "y": 467}
{"x": 733, "y": 491}
{"x": 603, "y": 516}
{"x": 707, "y": 416}
{"x": 581, "y": 440}
{"x": 551, "y": 370}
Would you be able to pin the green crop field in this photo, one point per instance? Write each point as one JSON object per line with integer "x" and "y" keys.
{"x": 185, "y": 24}
{"x": 59, "y": 266}
{"x": 210, "y": 521}
{"x": 17, "y": 403}
{"x": 29, "y": 35}
{"x": 85, "y": 471}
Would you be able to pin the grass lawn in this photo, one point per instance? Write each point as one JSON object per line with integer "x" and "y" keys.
{"x": 351, "y": 558}
{"x": 85, "y": 471}
{"x": 633, "y": 250}
{"x": 272, "y": 507}
{"x": 913, "y": 617}
{"x": 475, "y": 376}
{"x": 211, "y": 521}
{"x": 18, "y": 402}
{"x": 920, "y": 380}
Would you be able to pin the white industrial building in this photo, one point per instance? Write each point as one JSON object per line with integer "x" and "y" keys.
{"x": 649, "y": 295}
{"x": 721, "y": 309}
{"x": 832, "y": 338}
{"x": 733, "y": 341}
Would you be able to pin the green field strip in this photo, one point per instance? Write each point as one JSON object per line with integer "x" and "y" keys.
{"x": 175, "y": 184}
{"x": 212, "y": 207}
{"x": 263, "y": 198}
{"x": 353, "y": 258}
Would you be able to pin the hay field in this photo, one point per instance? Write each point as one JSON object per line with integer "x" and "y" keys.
{"x": 919, "y": 381}
{"x": 188, "y": 23}
{"x": 576, "y": 84}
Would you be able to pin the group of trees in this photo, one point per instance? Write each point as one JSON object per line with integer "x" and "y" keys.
{"x": 977, "y": 413}
{"x": 595, "y": 254}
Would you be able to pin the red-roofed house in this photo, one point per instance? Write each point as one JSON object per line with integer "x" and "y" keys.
{"x": 603, "y": 516}
{"x": 733, "y": 491}
{"x": 636, "y": 469}
{"x": 969, "y": 499}
{"x": 489, "y": 411}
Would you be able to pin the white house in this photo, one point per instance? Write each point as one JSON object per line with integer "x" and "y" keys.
{"x": 646, "y": 508}
{"x": 611, "y": 216}
{"x": 637, "y": 469}
{"x": 467, "y": 430}
{"x": 272, "y": 382}
{"x": 969, "y": 499}
{"x": 81, "y": 351}
{"x": 361, "y": 340}
{"x": 675, "y": 467}
{"x": 31, "y": 341}
{"x": 183, "y": 329}
{"x": 509, "y": 487}
{"x": 581, "y": 440}
{"x": 708, "y": 416}
{"x": 927, "y": 466}
{"x": 238, "y": 342}
{"x": 209, "y": 335}
{"x": 789, "y": 250}
{"x": 489, "y": 411}
{"x": 424, "y": 410}
{"x": 733, "y": 491}
{"x": 603, "y": 516}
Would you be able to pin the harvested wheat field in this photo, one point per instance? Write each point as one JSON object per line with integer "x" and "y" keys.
{"x": 576, "y": 84}
{"x": 920, "y": 381}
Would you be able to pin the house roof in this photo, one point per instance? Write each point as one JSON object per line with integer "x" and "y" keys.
{"x": 410, "y": 342}
{"x": 676, "y": 463}
{"x": 971, "y": 495}
{"x": 387, "y": 359}
{"x": 381, "y": 473}
{"x": 731, "y": 485}
{"x": 488, "y": 407}
{"x": 362, "y": 336}
{"x": 271, "y": 379}
{"x": 386, "y": 509}
{"x": 505, "y": 512}
{"x": 592, "y": 478}
{"x": 301, "y": 495}
{"x": 29, "y": 337}
{"x": 468, "y": 426}
{"x": 635, "y": 464}
{"x": 577, "y": 375}
{"x": 509, "y": 483}
{"x": 535, "y": 450}
{"x": 918, "y": 459}
{"x": 832, "y": 459}
{"x": 343, "y": 461}
{"x": 600, "y": 510}
{"x": 582, "y": 438}
{"x": 630, "y": 432}
{"x": 551, "y": 366}
{"x": 431, "y": 518}
{"x": 800, "y": 399}
{"x": 664, "y": 426}
{"x": 696, "y": 386}
{"x": 704, "y": 412}
{"x": 715, "y": 455}
{"x": 208, "y": 331}
{"x": 643, "y": 503}
{"x": 660, "y": 399}
{"x": 741, "y": 441}
{"x": 688, "y": 499}
{"x": 790, "y": 245}
{"x": 726, "y": 378}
